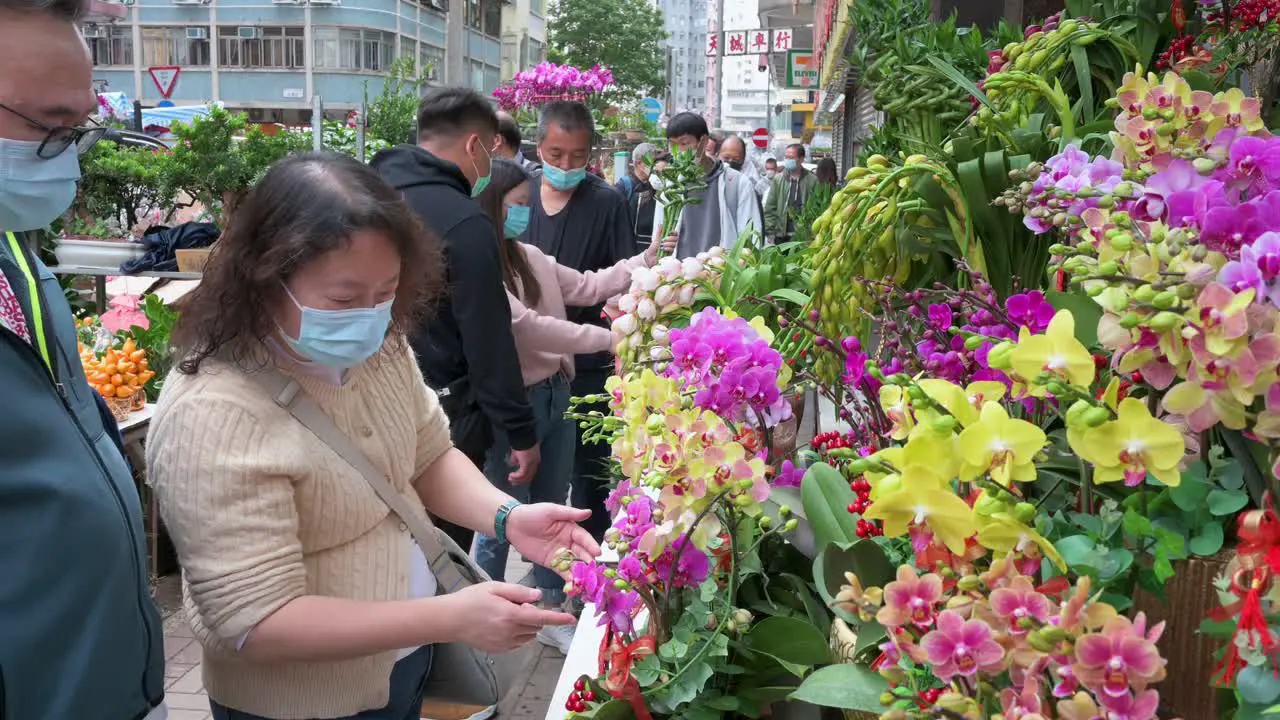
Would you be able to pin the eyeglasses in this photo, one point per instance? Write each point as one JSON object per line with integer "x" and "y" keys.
{"x": 59, "y": 139}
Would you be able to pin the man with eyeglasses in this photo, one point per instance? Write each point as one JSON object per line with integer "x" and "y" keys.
{"x": 79, "y": 634}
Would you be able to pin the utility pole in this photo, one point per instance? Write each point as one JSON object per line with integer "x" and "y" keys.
{"x": 720, "y": 63}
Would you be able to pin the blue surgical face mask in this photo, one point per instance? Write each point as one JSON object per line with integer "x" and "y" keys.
{"x": 34, "y": 192}
{"x": 517, "y": 221}
{"x": 563, "y": 179}
{"x": 340, "y": 339}
{"x": 790, "y": 164}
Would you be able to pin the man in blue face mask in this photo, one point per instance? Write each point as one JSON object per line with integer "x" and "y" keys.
{"x": 581, "y": 221}
{"x": 79, "y": 634}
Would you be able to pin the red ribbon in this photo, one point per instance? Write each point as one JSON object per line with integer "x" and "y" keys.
{"x": 1259, "y": 532}
{"x": 1259, "y": 557}
{"x": 616, "y": 659}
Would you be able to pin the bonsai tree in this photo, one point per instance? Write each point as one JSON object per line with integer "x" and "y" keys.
{"x": 121, "y": 185}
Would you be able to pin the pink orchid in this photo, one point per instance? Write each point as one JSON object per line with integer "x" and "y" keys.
{"x": 1222, "y": 317}
{"x": 910, "y": 599}
{"x": 1119, "y": 657}
{"x": 1018, "y": 601}
{"x": 1129, "y": 707}
{"x": 1022, "y": 704}
{"x": 961, "y": 647}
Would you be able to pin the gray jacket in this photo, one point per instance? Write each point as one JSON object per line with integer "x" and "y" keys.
{"x": 79, "y": 634}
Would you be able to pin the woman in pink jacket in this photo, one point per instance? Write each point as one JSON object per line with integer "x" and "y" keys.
{"x": 539, "y": 289}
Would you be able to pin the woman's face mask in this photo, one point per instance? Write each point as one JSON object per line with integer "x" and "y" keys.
{"x": 339, "y": 339}
{"x": 516, "y": 221}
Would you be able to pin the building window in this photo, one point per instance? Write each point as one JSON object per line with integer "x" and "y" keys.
{"x": 538, "y": 7}
{"x": 180, "y": 46}
{"x": 352, "y": 49}
{"x": 255, "y": 47}
{"x": 432, "y": 60}
{"x": 485, "y": 16}
{"x": 408, "y": 48}
{"x": 535, "y": 51}
{"x": 110, "y": 45}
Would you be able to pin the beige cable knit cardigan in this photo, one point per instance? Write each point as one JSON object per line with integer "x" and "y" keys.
{"x": 262, "y": 512}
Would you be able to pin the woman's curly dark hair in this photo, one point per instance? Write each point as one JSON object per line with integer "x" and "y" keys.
{"x": 305, "y": 206}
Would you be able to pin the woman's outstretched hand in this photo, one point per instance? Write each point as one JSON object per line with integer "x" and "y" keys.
{"x": 540, "y": 531}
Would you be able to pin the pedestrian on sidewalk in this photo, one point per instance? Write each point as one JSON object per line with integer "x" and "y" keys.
{"x": 726, "y": 209}
{"x": 635, "y": 187}
{"x": 540, "y": 290}
{"x": 307, "y": 593}
{"x": 79, "y": 634}
{"x": 510, "y": 141}
{"x": 584, "y": 224}
{"x": 465, "y": 349}
{"x": 787, "y": 195}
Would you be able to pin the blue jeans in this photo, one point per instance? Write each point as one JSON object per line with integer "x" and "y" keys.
{"x": 408, "y": 681}
{"x": 550, "y": 401}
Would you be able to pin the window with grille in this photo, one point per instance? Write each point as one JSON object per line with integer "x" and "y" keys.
{"x": 114, "y": 48}
{"x": 358, "y": 49}
{"x": 275, "y": 47}
{"x": 163, "y": 46}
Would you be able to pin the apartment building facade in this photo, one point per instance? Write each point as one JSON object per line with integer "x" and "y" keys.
{"x": 271, "y": 57}
{"x": 686, "y": 25}
{"x": 524, "y": 35}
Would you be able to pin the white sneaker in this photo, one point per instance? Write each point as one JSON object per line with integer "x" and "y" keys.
{"x": 559, "y": 637}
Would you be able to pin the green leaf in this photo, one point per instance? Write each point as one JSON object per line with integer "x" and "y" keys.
{"x": 958, "y": 78}
{"x": 1076, "y": 550}
{"x": 789, "y": 640}
{"x": 614, "y": 709}
{"x": 825, "y": 495}
{"x": 1086, "y": 312}
{"x": 1230, "y": 477}
{"x": 792, "y": 296}
{"x": 870, "y": 635}
{"x": 1137, "y": 524}
{"x": 1189, "y": 496}
{"x": 673, "y": 649}
{"x": 864, "y": 558}
{"x": 726, "y": 703}
{"x": 647, "y": 670}
{"x": 1227, "y": 502}
{"x": 1258, "y": 685}
{"x": 845, "y": 686}
{"x": 1209, "y": 541}
{"x": 1084, "y": 78}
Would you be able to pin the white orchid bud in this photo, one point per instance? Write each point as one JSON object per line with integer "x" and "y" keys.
{"x": 627, "y": 303}
{"x": 646, "y": 310}
{"x": 686, "y": 294}
{"x": 659, "y": 353}
{"x": 660, "y": 334}
{"x": 625, "y": 324}
{"x": 690, "y": 268}
{"x": 645, "y": 279}
{"x": 716, "y": 262}
{"x": 664, "y": 295}
{"x": 716, "y": 251}
{"x": 668, "y": 265}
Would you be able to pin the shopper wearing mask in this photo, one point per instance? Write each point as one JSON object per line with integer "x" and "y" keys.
{"x": 79, "y": 634}
{"x": 635, "y": 187}
{"x": 725, "y": 210}
{"x": 584, "y": 224}
{"x": 733, "y": 152}
{"x": 787, "y": 195}
{"x": 540, "y": 290}
{"x": 308, "y": 595}
{"x": 465, "y": 348}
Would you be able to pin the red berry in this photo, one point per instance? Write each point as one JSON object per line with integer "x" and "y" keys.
{"x": 580, "y": 685}
{"x": 1137, "y": 376}
{"x": 590, "y": 696}
{"x": 853, "y": 507}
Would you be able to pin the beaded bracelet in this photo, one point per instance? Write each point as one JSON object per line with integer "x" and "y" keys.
{"x": 500, "y": 520}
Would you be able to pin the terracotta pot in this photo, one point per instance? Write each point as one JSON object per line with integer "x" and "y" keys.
{"x": 1187, "y": 691}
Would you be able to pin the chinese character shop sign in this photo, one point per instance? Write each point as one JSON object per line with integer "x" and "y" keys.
{"x": 713, "y": 44}
{"x": 782, "y": 41}
{"x": 759, "y": 41}
{"x": 735, "y": 43}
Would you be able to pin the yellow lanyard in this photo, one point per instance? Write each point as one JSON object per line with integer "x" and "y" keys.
{"x": 33, "y": 292}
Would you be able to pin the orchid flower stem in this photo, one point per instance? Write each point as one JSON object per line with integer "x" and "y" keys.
{"x": 688, "y": 538}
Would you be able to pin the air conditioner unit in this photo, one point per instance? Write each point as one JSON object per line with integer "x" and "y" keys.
{"x": 197, "y": 33}
{"x": 248, "y": 33}
{"x": 93, "y": 31}
{"x": 326, "y": 2}
{"x": 190, "y": 2}
{"x": 287, "y": 2}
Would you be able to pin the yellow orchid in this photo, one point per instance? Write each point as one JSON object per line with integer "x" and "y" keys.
{"x": 984, "y": 391}
{"x": 1003, "y": 534}
{"x": 897, "y": 407}
{"x": 952, "y": 399}
{"x": 1056, "y": 352}
{"x": 1132, "y": 445}
{"x": 1002, "y": 446}
{"x": 933, "y": 449}
{"x": 922, "y": 498}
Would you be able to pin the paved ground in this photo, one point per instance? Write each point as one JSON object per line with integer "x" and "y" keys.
{"x": 185, "y": 691}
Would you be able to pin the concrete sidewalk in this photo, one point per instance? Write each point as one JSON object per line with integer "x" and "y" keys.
{"x": 187, "y": 700}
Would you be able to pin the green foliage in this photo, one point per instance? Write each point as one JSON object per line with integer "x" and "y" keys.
{"x": 624, "y": 35}
{"x": 845, "y": 686}
{"x": 393, "y": 114}
{"x": 341, "y": 138}
{"x": 217, "y": 158}
{"x": 122, "y": 184}
{"x": 156, "y": 340}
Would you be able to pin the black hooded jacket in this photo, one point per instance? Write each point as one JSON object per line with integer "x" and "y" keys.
{"x": 469, "y": 334}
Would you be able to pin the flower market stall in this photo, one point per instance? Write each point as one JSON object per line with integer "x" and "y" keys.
{"x": 1050, "y": 334}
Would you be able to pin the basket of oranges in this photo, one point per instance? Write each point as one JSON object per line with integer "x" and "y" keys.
{"x": 120, "y": 375}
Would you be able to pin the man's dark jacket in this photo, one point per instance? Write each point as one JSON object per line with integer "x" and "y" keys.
{"x": 79, "y": 634}
{"x": 466, "y": 344}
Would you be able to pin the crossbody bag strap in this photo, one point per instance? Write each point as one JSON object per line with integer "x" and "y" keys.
{"x": 288, "y": 394}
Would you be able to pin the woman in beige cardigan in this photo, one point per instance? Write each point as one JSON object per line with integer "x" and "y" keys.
{"x": 307, "y": 593}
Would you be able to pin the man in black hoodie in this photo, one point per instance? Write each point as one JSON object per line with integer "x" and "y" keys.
{"x": 465, "y": 348}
